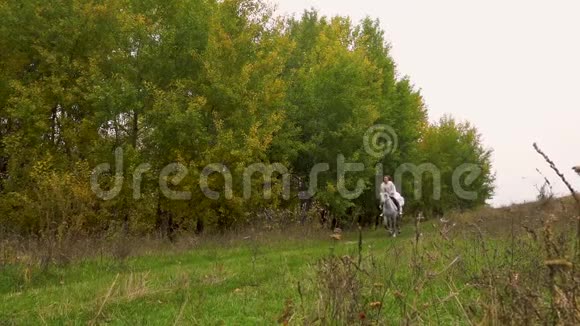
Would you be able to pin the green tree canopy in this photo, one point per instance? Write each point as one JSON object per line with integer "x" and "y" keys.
{"x": 196, "y": 84}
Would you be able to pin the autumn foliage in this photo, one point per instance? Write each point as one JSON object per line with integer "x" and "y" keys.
{"x": 196, "y": 83}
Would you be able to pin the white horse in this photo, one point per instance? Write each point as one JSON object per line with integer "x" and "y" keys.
{"x": 391, "y": 216}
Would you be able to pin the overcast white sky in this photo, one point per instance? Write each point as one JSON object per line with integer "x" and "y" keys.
{"x": 510, "y": 67}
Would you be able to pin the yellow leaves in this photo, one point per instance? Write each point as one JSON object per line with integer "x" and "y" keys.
{"x": 196, "y": 104}
{"x": 253, "y": 139}
{"x": 220, "y": 49}
{"x": 96, "y": 9}
{"x": 330, "y": 188}
{"x": 140, "y": 19}
{"x": 217, "y": 121}
{"x": 42, "y": 168}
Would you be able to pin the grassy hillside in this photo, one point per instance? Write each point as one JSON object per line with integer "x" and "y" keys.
{"x": 492, "y": 265}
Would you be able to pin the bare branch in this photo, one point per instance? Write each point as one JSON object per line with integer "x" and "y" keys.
{"x": 574, "y": 194}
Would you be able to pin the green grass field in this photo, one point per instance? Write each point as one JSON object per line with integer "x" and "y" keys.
{"x": 312, "y": 280}
{"x": 245, "y": 283}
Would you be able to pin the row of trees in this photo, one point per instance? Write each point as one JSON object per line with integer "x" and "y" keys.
{"x": 200, "y": 82}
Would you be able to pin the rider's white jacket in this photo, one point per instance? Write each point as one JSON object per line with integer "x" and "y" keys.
{"x": 390, "y": 189}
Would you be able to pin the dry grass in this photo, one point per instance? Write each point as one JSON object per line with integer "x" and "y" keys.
{"x": 512, "y": 265}
{"x": 505, "y": 266}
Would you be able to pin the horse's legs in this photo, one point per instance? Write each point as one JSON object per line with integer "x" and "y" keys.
{"x": 399, "y": 218}
{"x": 393, "y": 225}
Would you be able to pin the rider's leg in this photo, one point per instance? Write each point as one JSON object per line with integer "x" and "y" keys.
{"x": 396, "y": 202}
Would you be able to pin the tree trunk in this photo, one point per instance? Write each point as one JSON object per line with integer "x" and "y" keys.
{"x": 135, "y": 129}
